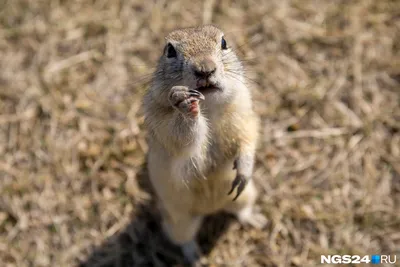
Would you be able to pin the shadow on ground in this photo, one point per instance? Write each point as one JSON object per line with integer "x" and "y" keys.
{"x": 142, "y": 242}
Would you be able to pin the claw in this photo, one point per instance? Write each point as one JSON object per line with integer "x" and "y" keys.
{"x": 239, "y": 182}
{"x": 196, "y": 93}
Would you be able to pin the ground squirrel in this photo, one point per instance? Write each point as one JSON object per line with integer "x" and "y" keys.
{"x": 202, "y": 134}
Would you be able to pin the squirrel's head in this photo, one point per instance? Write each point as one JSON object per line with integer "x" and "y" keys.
{"x": 201, "y": 59}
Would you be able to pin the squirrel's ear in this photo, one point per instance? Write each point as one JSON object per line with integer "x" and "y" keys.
{"x": 170, "y": 51}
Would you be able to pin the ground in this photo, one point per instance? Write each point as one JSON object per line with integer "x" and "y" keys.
{"x": 325, "y": 78}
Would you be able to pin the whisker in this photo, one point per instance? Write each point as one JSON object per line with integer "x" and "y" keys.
{"x": 251, "y": 60}
{"x": 241, "y": 71}
{"x": 235, "y": 77}
{"x": 142, "y": 80}
{"x": 235, "y": 74}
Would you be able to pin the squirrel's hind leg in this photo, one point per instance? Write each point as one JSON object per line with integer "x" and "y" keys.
{"x": 182, "y": 231}
{"x": 243, "y": 207}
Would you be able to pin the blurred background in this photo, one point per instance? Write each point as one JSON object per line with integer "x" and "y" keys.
{"x": 325, "y": 77}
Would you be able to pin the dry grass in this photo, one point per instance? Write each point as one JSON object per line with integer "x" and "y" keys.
{"x": 73, "y": 188}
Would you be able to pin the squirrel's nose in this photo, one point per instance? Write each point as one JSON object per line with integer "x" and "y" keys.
{"x": 205, "y": 68}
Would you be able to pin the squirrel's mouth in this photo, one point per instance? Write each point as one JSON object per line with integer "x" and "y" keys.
{"x": 208, "y": 87}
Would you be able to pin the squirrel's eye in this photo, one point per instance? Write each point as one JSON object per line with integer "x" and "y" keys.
{"x": 171, "y": 52}
{"x": 223, "y": 44}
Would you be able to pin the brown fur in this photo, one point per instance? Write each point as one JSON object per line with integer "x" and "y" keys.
{"x": 191, "y": 159}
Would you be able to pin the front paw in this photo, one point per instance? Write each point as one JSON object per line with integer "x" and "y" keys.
{"x": 185, "y": 100}
{"x": 239, "y": 182}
